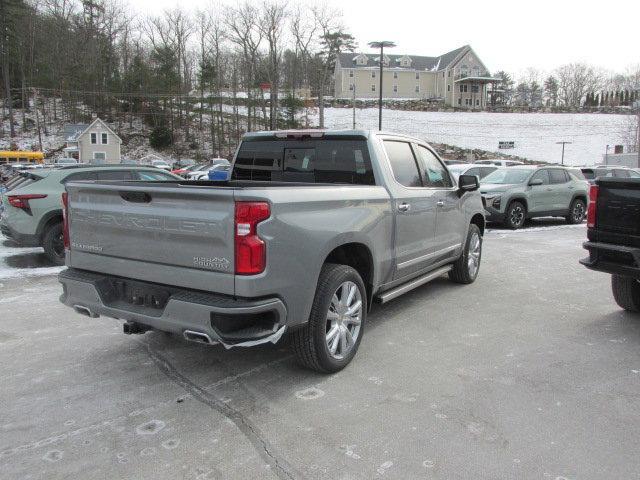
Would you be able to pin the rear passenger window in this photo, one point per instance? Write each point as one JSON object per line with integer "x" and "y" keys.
{"x": 151, "y": 176}
{"x": 403, "y": 163}
{"x": 557, "y": 176}
{"x": 435, "y": 175}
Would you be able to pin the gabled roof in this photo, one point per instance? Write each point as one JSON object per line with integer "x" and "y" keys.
{"x": 347, "y": 60}
{"x": 104, "y": 124}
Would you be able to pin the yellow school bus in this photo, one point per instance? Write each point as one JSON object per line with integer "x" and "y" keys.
{"x": 20, "y": 156}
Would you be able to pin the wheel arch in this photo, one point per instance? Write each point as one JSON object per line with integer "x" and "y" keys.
{"x": 520, "y": 199}
{"x": 479, "y": 220}
{"x": 359, "y": 257}
{"x": 47, "y": 220}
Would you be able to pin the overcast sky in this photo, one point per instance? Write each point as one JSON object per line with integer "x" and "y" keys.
{"x": 507, "y": 35}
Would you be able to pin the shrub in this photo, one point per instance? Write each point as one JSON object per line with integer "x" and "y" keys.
{"x": 160, "y": 138}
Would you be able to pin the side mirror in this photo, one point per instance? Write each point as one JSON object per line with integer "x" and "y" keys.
{"x": 467, "y": 183}
{"x": 535, "y": 182}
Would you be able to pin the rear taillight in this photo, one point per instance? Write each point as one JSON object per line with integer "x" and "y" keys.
{"x": 251, "y": 251}
{"x": 22, "y": 201}
{"x": 591, "y": 210}
{"x": 65, "y": 220}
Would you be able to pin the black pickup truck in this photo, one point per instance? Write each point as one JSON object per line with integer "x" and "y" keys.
{"x": 613, "y": 221}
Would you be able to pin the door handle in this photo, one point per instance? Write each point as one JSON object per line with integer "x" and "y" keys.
{"x": 440, "y": 203}
{"x": 404, "y": 207}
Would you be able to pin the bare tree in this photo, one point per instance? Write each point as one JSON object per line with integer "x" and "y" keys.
{"x": 243, "y": 26}
{"x": 575, "y": 80}
{"x": 272, "y": 25}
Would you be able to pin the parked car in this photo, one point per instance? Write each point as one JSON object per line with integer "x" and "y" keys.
{"x": 613, "y": 232}
{"x": 479, "y": 171}
{"x": 604, "y": 171}
{"x": 499, "y": 163}
{"x": 32, "y": 211}
{"x": 59, "y": 162}
{"x": 203, "y": 172}
{"x": 312, "y": 229}
{"x": 455, "y": 162}
{"x": 512, "y": 195}
{"x": 161, "y": 164}
{"x": 220, "y": 172}
{"x": 182, "y": 171}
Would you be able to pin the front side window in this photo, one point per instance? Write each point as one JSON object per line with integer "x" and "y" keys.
{"x": 541, "y": 175}
{"x": 403, "y": 163}
{"x": 152, "y": 176}
{"x": 435, "y": 173}
{"x": 94, "y": 138}
{"x": 620, "y": 173}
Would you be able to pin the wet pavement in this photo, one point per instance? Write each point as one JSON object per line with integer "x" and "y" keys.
{"x": 530, "y": 372}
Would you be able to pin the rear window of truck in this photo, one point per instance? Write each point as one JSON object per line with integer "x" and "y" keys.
{"x": 343, "y": 161}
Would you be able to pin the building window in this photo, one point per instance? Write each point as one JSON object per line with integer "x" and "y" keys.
{"x": 463, "y": 88}
{"x": 448, "y": 73}
{"x": 99, "y": 157}
{"x": 417, "y": 88}
{"x": 373, "y": 74}
{"x": 477, "y": 102}
{"x": 459, "y": 101}
{"x": 417, "y": 76}
{"x": 104, "y": 139}
{"x": 94, "y": 138}
{"x": 351, "y": 73}
{"x": 351, "y": 87}
{"x": 373, "y": 87}
{"x": 395, "y": 89}
{"x": 395, "y": 74}
{"x": 474, "y": 89}
{"x": 448, "y": 88}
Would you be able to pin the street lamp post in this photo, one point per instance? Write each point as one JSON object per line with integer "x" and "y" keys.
{"x": 563, "y": 144}
{"x": 381, "y": 46}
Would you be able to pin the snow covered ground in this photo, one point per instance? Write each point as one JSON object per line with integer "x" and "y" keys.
{"x": 17, "y": 262}
{"x": 535, "y": 134}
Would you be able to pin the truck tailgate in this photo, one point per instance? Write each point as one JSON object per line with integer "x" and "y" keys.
{"x": 164, "y": 233}
{"x": 618, "y": 206}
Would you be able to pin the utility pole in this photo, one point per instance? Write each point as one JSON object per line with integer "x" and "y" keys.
{"x": 381, "y": 46}
{"x": 35, "y": 104}
{"x": 563, "y": 144}
{"x": 638, "y": 133}
{"x": 353, "y": 102}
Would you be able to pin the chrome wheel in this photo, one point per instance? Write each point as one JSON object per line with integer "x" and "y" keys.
{"x": 473, "y": 256}
{"x": 516, "y": 216}
{"x": 343, "y": 320}
{"x": 578, "y": 212}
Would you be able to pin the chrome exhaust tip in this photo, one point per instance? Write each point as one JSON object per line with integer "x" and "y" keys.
{"x": 82, "y": 310}
{"x": 198, "y": 337}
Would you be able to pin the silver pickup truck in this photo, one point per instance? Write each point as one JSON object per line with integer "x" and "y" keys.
{"x": 312, "y": 228}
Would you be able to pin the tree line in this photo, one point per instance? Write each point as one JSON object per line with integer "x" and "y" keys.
{"x": 571, "y": 86}
{"x": 202, "y": 77}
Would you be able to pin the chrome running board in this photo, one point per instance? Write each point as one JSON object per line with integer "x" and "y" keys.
{"x": 410, "y": 285}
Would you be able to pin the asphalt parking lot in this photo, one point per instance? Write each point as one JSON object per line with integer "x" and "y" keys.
{"x": 530, "y": 372}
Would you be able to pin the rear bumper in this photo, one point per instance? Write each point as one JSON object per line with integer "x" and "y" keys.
{"x": 224, "y": 319}
{"x": 21, "y": 239}
{"x": 612, "y": 258}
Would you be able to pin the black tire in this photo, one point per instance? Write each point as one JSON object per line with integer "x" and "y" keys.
{"x": 515, "y": 215}
{"x": 626, "y": 292}
{"x": 462, "y": 271}
{"x": 309, "y": 342}
{"x": 52, "y": 242}
{"x": 577, "y": 211}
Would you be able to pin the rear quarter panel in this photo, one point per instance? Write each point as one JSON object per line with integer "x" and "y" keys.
{"x": 306, "y": 224}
